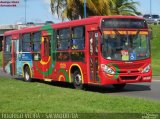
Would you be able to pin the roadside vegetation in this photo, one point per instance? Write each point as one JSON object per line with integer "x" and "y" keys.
{"x": 0, "y": 59}
{"x": 36, "y": 97}
{"x": 155, "y": 50}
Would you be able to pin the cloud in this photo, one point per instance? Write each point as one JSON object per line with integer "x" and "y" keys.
{"x": 55, "y": 16}
{"x": 46, "y": 1}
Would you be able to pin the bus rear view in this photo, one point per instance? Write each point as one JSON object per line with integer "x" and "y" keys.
{"x": 125, "y": 51}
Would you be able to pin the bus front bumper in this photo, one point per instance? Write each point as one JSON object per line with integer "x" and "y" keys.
{"x": 125, "y": 78}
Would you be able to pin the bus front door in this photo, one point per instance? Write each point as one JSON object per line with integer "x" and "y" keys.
{"x": 93, "y": 57}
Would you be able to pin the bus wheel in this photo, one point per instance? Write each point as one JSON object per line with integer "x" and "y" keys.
{"x": 27, "y": 74}
{"x": 119, "y": 86}
{"x": 77, "y": 80}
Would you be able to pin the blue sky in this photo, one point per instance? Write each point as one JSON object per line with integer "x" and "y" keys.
{"x": 144, "y": 6}
{"x": 39, "y": 11}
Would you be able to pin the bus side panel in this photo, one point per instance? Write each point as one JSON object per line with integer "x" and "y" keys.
{"x": 19, "y": 65}
{"x": 62, "y": 71}
{"x": 42, "y": 68}
{"x": 24, "y": 59}
{"x": 64, "y": 74}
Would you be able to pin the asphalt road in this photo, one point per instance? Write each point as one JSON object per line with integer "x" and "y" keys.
{"x": 141, "y": 90}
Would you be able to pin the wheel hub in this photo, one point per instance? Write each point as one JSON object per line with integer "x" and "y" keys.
{"x": 27, "y": 76}
{"x": 78, "y": 79}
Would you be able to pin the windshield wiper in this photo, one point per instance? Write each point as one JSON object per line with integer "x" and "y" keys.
{"x": 116, "y": 31}
{"x": 138, "y": 31}
{"x": 119, "y": 38}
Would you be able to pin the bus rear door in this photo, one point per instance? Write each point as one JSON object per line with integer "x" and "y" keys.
{"x": 7, "y": 54}
{"x": 46, "y": 56}
{"x": 15, "y": 43}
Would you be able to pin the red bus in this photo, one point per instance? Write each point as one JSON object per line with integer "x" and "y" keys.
{"x": 99, "y": 50}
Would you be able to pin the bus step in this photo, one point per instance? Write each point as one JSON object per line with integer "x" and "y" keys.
{"x": 48, "y": 80}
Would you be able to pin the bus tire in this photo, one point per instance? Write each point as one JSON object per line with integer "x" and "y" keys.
{"x": 77, "y": 80}
{"x": 27, "y": 74}
{"x": 119, "y": 86}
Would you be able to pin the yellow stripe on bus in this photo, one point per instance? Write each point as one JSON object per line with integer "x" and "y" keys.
{"x": 44, "y": 63}
{"x": 125, "y": 32}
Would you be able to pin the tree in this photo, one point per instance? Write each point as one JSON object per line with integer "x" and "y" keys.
{"x": 124, "y": 7}
{"x": 57, "y": 6}
{"x": 73, "y": 9}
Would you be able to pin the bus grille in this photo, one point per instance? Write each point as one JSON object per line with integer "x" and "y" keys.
{"x": 129, "y": 77}
{"x": 130, "y": 66}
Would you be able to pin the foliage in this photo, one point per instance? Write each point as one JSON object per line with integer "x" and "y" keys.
{"x": 125, "y": 7}
{"x": 155, "y": 43}
{"x": 73, "y": 9}
{"x": 0, "y": 59}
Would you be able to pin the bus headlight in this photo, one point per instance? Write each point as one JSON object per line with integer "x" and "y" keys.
{"x": 107, "y": 69}
{"x": 146, "y": 69}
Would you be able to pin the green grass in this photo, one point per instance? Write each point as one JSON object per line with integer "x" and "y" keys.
{"x": 0, "y": 59}
{"x": 155, "y": 50}
{"x": 18, "y": 96}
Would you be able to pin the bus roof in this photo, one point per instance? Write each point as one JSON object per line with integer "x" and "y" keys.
{"x": 89, "y": 20}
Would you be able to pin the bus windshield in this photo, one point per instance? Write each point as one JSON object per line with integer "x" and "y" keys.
{"x": 125, "y": 45}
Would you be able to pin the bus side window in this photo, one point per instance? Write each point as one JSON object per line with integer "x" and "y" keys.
{"x": 36, "y": 42}
{"x": 7, "y": 47}
{"x": 57, "y": 40}
{"x": 77, "y": 42}
{"x": 26, "y": 45}
{"x": 63, "y": 38}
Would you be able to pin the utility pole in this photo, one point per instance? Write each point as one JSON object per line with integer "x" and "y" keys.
{"x": 25, "y": 11}
{"x": 85, "y": 9}
{"x": 150, "y": 7}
